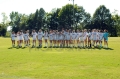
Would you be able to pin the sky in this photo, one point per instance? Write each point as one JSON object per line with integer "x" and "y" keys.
{"x": 30, "y": 6}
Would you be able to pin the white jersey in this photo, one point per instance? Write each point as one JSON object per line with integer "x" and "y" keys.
{"x": 81, "y": 36}
{"x": 28, "y": 35}
{"x": 13, "y": 36}
{"x": 18, "y": 37}
{"x": 34, "y": 35}
{"x": 57, "y": 36}
{"x": 21, "y": 35}
{"x": 100, "y": 36}
{"x": 45, "y": 35}
{"x": 65, "y": 34}
{"x": 68, "y": 36}
{"x": 94, "y": 35}
{"x": 77, "y": 36}
{"x": 61, "y": 36}
{"x": 40, "y": 35}
{"x": 85, "y": 35}
{"x": 54, "y": 36}
{"x": 25, "y": 36}
{"x": 89, "y": 35}
{"x": 50, "y": 36}
{"x": 73, "y": 35}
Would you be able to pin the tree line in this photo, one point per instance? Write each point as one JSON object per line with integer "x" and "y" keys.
{"x": 67, "y": 17}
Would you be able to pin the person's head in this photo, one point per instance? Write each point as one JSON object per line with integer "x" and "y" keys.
{"x": 33, "y": 30}
{"x": 40, "y": 30}
{"x": 89, "y": 30}
{"x": 25, "y": 32}
{"x": 73, "y": 31}
{"x": 77, "y": 30}
{"x": 18, "y": 32}
{"x": 94, "y": 30}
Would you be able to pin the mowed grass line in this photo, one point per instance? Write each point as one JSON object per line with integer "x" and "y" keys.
{"x": 57, "y": 63}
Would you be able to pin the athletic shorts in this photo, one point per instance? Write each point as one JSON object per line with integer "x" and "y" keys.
{"x": 34, "y": 38}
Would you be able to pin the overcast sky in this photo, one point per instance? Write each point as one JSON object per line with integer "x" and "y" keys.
{"x": 30, "y": 6}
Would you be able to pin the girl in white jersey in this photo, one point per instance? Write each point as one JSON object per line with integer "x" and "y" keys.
{"x": 77, "y": 37}
{"x": 100, "y": 37}
{"x": 89, "y": 38}
{"x": 34, "y": 36}
{"x": 25, "y": 36}
{"x": 63, "y": 35}
{"x": 67, "y": 38}
{"x": 94, "y": 35}
{"x": 57, "y": 38}
{"x": 39, "y": 37}
{"x": 85, "y": 37}
{"x": 13, "y": 38}
{"x": 82, "y": 39}
{"x": 50, "y": 37}
{"x": 54, "y": 38}
{"x": 18, "y": 39}
{"x": 21, "y": 38}
{"x": 28, "y": 43}
{"x": 46, "y": 38}
{"x": 61, "y": 38}
{"x": 73, "y": 38}
{"x": 97, "y": 38}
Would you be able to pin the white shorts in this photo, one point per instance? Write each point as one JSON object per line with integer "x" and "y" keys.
{"x": 21, "y": 38}
{"x": 81, "y": 39}
{"x": 12, "y": 38}
{"x": 39, "y": 38}
{"x": 34, "y": 38}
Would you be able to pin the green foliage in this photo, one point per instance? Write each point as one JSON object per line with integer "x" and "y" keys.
{"x": 102, "y": 20}
{"x": 116, "y": 20}
{"x": 8, "y": 34}
{"x": 3, "y": 30}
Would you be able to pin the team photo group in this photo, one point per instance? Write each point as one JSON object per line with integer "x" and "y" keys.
{"x": 59, "y": 39}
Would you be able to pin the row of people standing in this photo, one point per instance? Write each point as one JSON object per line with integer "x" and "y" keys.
{"x": 63, "y": 38}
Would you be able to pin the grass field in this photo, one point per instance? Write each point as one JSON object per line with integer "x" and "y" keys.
{"x": 59, "y": 63}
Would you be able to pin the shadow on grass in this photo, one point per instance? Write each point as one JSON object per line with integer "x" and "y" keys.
{"x": 60, "y": 49}
{"x": 108, "y": 48}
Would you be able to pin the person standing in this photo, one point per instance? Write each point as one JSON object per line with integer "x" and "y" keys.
{"x": 13, "y": 38}
{"x": 39, "y": 37}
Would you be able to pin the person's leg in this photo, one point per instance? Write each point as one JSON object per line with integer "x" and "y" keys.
{"x": 12, "y": 43}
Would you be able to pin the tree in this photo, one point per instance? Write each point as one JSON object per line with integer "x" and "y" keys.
{"x": 54, "y": 20}
{"x": 67, "y": 18}
{"x": 66, "y": 15}
{"x": 41, "y": 18}
{"x": 15, "y": 21}
{"x": 116, "y": 22}
{"x": 102, "y": 19}
{"x": 3, "y": 29}
{"x": 4, "y": 24}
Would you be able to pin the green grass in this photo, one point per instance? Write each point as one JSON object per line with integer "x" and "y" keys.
{"x": 57, "y": 63}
